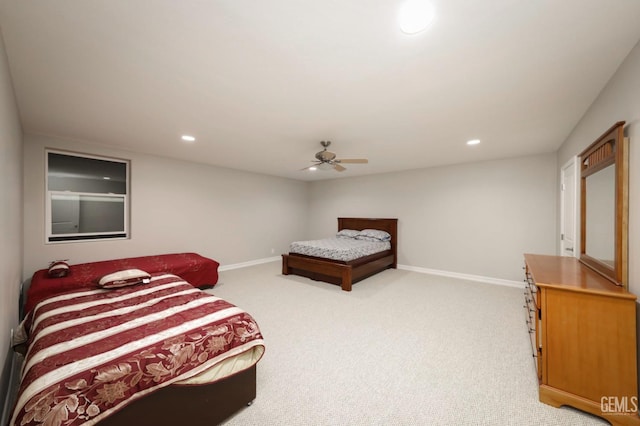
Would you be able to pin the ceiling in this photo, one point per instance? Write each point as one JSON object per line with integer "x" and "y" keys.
{"x": 261, "y": 83}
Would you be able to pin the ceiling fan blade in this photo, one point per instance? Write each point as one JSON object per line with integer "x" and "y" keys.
{"x": 337, "y": 167}
{"x": 353, "y": 161}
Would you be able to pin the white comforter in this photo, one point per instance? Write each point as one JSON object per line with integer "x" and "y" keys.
{"x": 344, "y": 249}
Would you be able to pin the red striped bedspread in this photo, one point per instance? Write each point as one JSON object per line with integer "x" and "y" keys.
{"x": 91, "y": 352}
{"x": 191, "y": 267}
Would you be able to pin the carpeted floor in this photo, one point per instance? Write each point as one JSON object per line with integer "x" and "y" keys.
{"x": 402, "y": 348}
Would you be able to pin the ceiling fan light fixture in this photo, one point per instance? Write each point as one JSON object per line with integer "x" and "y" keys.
{"x": 324, "y": 167}
{"x": 415, "y": 16}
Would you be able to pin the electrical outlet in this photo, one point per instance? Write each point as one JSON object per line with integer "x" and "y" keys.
{"x": 273, "y": 250}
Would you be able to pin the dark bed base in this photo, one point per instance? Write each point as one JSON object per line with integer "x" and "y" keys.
{"x": 189, "y": 405}
{"x": 341, "y": 273}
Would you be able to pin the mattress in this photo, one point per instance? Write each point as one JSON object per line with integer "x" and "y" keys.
{"x": 343, "y": 249}
{"x": 91, "y": 352}
{"x": 197, "y": 270}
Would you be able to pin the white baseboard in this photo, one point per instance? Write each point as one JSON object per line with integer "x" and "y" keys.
{"x": 470, "y": 277}
{"x": 249, "y": 263}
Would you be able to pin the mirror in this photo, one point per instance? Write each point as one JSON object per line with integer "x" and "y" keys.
{"x": 604, "y": 205}
{"x": 600, "y": 215}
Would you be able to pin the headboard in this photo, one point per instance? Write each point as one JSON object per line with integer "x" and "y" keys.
{"x": 359, "y": 223}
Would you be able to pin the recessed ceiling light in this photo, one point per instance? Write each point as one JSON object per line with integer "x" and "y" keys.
{"x": 106, "y": 178}
{"x": 415, "y": 16}
{"x": 188, "y": 138}
{"x": 313, "y": 168}
{"x": 473, "y": 142}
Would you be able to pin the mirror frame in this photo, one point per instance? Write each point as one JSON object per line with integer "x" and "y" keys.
{"x": 610, "y": 148}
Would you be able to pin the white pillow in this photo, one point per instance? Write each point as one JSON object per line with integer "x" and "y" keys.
{"x": 347, "y": 233}
{"x": 124, "y": 278}
{"x": 373, "y": 235}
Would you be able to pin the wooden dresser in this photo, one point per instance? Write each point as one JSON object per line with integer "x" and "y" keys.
{"x": 583, "y": 337}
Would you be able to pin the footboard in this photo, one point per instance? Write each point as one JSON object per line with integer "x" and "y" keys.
{"x": 318, "y": 270}
{"x": 342, "y": 274}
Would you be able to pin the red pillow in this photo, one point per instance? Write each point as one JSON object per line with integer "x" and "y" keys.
{"x": 58, "y": 269}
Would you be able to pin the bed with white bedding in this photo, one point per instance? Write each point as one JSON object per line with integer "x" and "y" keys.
{"x": 337, "y": 248}
{"x": 361, "y": 248}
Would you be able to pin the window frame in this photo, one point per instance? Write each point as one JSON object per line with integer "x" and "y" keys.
{"x": 51, "y": 238}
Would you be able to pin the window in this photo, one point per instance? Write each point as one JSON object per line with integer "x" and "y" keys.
{"x": 87, "y": 197}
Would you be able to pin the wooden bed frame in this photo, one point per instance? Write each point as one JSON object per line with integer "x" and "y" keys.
{"x": 343, "y": 273}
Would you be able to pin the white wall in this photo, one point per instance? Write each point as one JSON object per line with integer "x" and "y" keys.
{"x": 476, "y": 218}
{"x": 10, "y": 206}
{"x": 228, "y": 215}
{"x": 619, "y": 100}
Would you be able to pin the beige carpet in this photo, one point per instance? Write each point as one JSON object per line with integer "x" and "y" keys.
{"x": 402, "y": 348}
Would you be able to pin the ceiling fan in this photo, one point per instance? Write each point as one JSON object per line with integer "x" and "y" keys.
{"x": 326, "y": 158}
